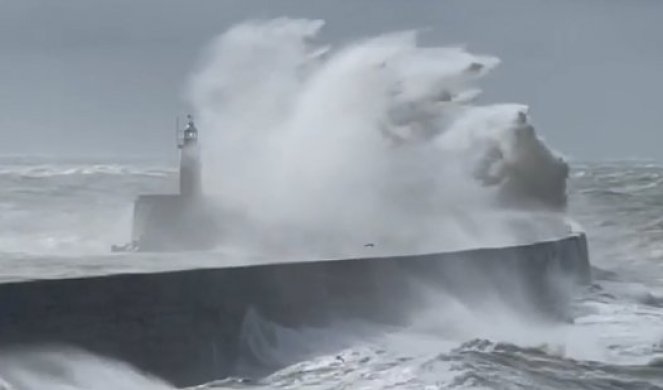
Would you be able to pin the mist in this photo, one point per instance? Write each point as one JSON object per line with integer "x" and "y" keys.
{"x": 377, "y": 141}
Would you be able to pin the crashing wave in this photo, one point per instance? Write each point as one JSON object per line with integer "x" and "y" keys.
{"x": 376, "y": 141}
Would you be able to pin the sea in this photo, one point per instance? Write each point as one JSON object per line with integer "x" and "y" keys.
{"x": 55, "y": 212}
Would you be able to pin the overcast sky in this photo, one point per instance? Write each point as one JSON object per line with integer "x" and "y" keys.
{"x": 93, "y": 77}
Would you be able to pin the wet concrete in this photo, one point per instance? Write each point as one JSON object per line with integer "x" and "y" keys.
{"x": 184, "y": 326}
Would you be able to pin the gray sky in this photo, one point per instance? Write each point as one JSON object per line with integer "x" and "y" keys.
{"x": 93, "y": 77}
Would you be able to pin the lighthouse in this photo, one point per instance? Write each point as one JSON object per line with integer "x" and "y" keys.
{"x": 190, "y": 185}
{"x": 176, "y": 221}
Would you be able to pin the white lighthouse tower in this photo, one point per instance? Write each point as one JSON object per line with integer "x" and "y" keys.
{"x": 190, "y": 185}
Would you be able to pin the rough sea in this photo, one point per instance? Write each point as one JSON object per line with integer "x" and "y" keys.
{"x": 62, "y": 215}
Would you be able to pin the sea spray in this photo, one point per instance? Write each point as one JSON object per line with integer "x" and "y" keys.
{"x": 60, "y": 368}
{"x": 324, "y": 149}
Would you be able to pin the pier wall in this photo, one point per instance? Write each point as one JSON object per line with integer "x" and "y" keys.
{"x": 184, "y": 326}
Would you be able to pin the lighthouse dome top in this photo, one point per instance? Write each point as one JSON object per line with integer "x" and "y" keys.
{"x": 190, "y": 132}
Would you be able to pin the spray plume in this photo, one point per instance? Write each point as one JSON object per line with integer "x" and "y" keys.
{"x": 325, "y": 149}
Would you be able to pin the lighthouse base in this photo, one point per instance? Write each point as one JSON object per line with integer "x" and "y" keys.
{"x": 174, "y": 223}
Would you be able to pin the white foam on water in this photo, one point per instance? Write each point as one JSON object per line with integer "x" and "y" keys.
{"x": 70, "y": 369}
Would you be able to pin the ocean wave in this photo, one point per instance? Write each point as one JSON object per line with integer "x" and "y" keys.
{"x": 487, "y": 364}
{"x": 54, "y": 170}
{"x": 384, "y": 132}
{"x": 65, "y": 368}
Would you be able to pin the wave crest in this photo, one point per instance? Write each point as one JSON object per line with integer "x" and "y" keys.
{"x": 375, "y": 141}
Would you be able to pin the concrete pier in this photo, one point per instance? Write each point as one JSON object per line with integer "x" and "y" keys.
{"x": 184, "y": 325}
